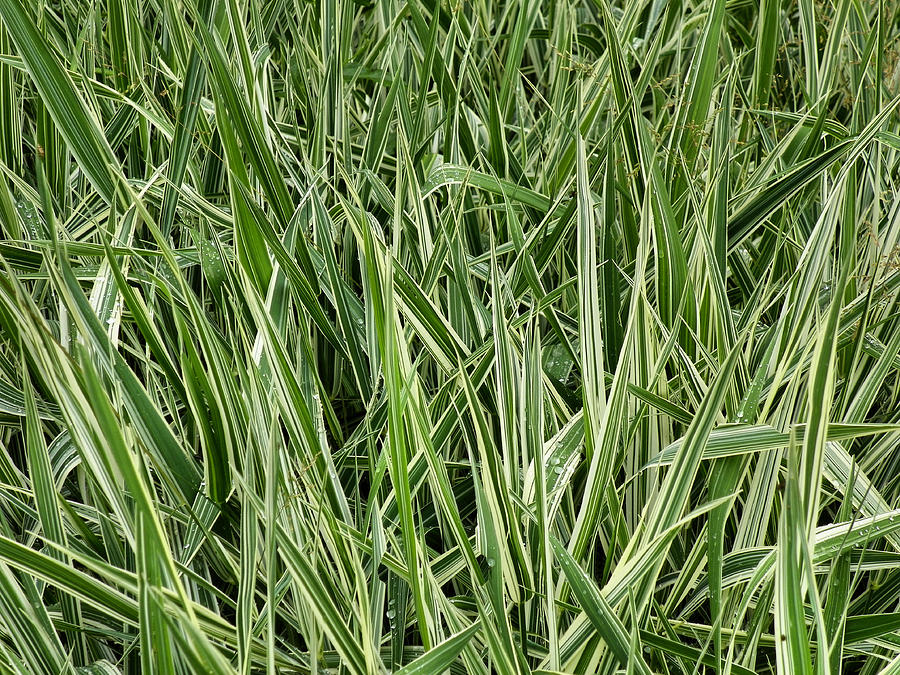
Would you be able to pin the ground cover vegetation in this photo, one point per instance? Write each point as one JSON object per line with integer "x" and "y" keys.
{"x": 422, "y": 336}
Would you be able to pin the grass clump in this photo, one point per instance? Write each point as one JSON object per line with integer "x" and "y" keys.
{"x": 471, "y": 337}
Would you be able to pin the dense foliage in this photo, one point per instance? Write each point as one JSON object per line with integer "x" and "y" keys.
{"x": 489, "y": 336}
